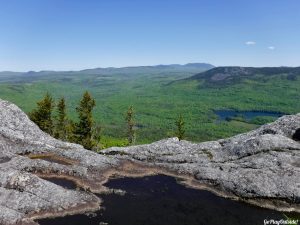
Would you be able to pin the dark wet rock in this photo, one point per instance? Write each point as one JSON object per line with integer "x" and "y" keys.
{"x": 261, "y": 164}
{"x": 296, "y": 135}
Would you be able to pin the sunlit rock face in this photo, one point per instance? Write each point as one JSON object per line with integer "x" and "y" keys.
{"x": 261, "y": 166}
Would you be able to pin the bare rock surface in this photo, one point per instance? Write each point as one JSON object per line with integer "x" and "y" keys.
{"x": 261, "y": 166}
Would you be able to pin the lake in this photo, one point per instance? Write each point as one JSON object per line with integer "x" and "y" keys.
{"x": 223, "y": 115}
{"x": 160, "y": 200}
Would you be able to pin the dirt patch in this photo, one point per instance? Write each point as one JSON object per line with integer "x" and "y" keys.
{"x": 53, "y": 158}
{"x": 78, "y": 209}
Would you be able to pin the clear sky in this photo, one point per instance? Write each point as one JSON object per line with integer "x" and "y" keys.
{"x": 79, "y": 34}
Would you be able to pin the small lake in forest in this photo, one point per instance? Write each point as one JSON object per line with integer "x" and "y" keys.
{"x": 160, "y": 200}
{"x": 224, "y": 115}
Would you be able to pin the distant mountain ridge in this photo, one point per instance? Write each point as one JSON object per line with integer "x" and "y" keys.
{"x": 188, "y": 69}
{"x": 233, "y": 74}
{"x": 204, "y": 66}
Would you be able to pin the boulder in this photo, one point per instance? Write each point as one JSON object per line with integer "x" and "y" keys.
{"x": 261, "y": 167}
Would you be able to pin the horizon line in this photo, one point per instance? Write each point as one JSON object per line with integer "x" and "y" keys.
{"x": 136, "y": 66}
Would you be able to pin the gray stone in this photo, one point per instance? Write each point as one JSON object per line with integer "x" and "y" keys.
{"x": 261, "y": 166}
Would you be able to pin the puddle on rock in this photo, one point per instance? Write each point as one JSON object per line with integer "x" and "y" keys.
{"x": 160, "y": 200}
{"x": 68, "y": 184}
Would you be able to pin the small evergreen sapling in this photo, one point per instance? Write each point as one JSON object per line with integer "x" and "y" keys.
{"x": 180, "y": 127}
{"x": 130, "y": 126}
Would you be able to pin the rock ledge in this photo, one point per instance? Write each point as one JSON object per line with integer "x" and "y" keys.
{"x": 261, "y": 167}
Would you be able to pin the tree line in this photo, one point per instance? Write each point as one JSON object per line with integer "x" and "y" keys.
{"x": 52, "y": 118}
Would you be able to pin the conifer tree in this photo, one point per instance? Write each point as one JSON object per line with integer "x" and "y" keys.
{"x": 62, "y": 121}
{"x": 97, "y": 130}
{"x": 83, "y": 129}
{"x": 180, "y": 127}
{"x": 130, "y": 125}
{"x": 70, "y": 131}
{"x": 42, "y": 115}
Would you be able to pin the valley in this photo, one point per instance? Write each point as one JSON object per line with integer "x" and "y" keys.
{"x": 160, "y": 93}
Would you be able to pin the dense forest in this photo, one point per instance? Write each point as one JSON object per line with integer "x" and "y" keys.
{"x": 160, "y": 94}
{"x": 52, "y": 118}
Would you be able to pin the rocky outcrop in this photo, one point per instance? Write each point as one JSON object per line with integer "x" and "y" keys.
{"x": 261, "y": 167}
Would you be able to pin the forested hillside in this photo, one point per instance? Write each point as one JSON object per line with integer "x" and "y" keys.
{"x": 160, "y": 93}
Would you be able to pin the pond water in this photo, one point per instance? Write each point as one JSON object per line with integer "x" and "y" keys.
{"x": 247, "y": 115}
{"x": 67, "y": 184}
{"x": 160, "y": 200}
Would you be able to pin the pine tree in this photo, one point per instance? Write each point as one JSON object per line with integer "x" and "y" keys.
{"x": 97, "y": 130}
{"x": 42, "y": 115}
{"x": 83, "y": 129}
{"x": 130, "y": 125}
{"x": 180, "y": 127}
{"x": 70, "y": 130}
{"x": 62, "y": 121}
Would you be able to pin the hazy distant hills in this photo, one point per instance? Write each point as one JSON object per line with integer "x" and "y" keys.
{"x": 7, "y": 74}
{"x": 232, "y": 75}
{"x": 190, "y": 68}
{"x": 205, "y": 73}
{"x": 159, "y": 93}
{"x": 142, "y": 70}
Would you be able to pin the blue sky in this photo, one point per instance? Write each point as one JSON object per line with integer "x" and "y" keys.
{"x": 79, "y": 34}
